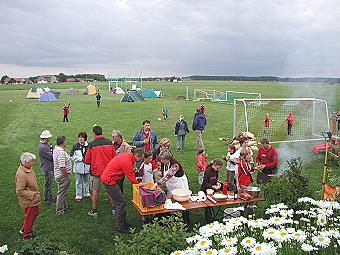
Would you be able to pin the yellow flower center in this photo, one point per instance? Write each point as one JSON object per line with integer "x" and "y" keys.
{"x": 270, "y": 233}
{"x": 321, "y": 239}
{"x": 208, "y": 252}
{"x": 258, "y": 248}
{"x": 227, "y": 250}
{"x": 297, "y": 234}
{"x": 247, "y": 241}
{"x": 277, "y": 220}
{"x": 177, "y": 253}
{"x": 283, "y": 233}
{"x": 203, "y": 242}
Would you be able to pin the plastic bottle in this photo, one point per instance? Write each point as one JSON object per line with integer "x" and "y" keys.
{"x": 235, "y": 191}
{"x": 225, "y": 188}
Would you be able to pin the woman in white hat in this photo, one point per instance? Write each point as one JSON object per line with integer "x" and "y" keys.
{"x": 46, "y": 164}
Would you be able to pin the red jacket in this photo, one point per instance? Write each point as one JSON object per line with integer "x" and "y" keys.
{"x": 119, "y": 166}
{"x": 267, "y": 157}
{"x": 290, "y": 119}
{"x": 99, "y": 154}
{"x": 244, "y": 173}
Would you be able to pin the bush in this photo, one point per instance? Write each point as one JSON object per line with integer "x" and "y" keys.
{"x": 288, "y": 187}
{"x": 38, "y": 247}
{"x": 159, "y": 237}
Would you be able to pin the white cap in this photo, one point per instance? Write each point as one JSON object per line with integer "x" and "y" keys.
{"x": 45, "y": 134}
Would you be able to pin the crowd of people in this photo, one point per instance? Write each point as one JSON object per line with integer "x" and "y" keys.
{"x": 106, "y": 162}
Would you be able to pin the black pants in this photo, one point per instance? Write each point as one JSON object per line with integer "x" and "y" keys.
{"x": 208, "y": 215}
{"x": 289, "y": 129}
{"x": 65, "y": 118}
{"x": 117, "y": 197}
{"x": 98, "y": 103}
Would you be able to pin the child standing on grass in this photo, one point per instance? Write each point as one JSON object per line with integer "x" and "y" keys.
{"x": 66, "y": 110}
{"x": 267, "y": 121}
{"x": 201, "y": 164}
{"x": 232, "y": 161}
{"x": 165, "y": 113}
{"x": 146, "y": 173}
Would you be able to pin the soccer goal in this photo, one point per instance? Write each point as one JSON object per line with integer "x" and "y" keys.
{"x": 229, "y": 96}
{"x": 200, "y": 94}
{"x": 310, "y": 118}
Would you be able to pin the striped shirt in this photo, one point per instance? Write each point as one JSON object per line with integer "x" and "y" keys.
{"x": 61, "y": 159}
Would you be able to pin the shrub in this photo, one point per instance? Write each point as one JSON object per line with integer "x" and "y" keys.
{"x": 158, "y": 237}
{"x": 38, "y": 247}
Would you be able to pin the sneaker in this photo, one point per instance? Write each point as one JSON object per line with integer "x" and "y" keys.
{"x": 61, "y": 213}
{"x": 87, "y": 195}
{"x": 114, "y": 212}
{"x": 78, "y": 200}
{"x": 21, "y": 231}
{"x": 93, "y": 213}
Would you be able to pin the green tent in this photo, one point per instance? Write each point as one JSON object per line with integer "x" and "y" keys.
{"x": 149, "y": 93}
{"x": 132, "y": 96}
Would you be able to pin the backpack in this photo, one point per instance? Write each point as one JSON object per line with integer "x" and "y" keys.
{"x": 151, "y": 198}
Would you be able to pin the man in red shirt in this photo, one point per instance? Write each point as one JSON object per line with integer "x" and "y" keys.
{"x": 266, "y": 160}
{"x": 98, "y": 155}
{"x": 119, "y": 166}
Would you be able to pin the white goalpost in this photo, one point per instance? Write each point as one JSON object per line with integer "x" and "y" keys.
{"x": 310, "y": 118}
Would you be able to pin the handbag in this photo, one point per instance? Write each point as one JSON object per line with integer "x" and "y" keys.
{"x": 151, "y": 198}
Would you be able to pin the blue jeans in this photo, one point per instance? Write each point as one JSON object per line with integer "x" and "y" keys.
{"x": 179, "y": 138}
{"x": 49, "y": 176}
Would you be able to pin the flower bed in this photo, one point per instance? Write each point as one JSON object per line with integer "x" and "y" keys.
{"x": 311, "y": 230}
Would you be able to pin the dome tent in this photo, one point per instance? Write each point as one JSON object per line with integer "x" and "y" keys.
{"x": 132, "y": 96}
{"x": 47, "y": 97}
{"x": 90, "y": 90}
{"x": 35, "y": 92}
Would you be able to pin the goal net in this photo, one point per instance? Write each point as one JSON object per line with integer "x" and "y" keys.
{"x": 310, "y": 118}
{"x": 223, "y": 96}
{"x": 230, "y": 96}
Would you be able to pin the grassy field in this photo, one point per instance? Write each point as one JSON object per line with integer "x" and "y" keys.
{"x": 22, "y": 121}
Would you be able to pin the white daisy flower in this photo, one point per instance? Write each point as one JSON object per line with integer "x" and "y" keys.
{"x": 270, "y": 233}
{"x": 259, "y": 223}
{"x": 335, "y": 233}
{"x": 248, "y": 242}
{"x": 263, "y": 249}
{"x": 308, "y": 248}
{"x": 192, "y": 239}
{"x": 287, "y": 213}
{"x": 203, "y": 244}
{"x": 228, "y": 251}
{"x": 299, "y": 235}
{"x": 276, "y": 221}
{"x": 282, "y": 236}
{"x": 178, "y": 253}
{"x": 322, "y": 220}
{"x": 232, "y": 241}
{"x": 321, "y": 241}
{"x": 304, "y": 219}
{"x": 3, "y": 248}
{"x": 209, "y": 252}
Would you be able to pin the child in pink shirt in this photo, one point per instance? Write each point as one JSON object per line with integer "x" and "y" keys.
{"x": 201, "y": 164}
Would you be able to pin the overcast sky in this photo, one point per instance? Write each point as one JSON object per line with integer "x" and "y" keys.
{"x": 181, "y": 37}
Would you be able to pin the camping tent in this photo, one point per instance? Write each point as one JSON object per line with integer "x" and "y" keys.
{"x": 158, "y": 93}
{"x": 149, "y": 93}
{"x": 118, "y": 90}
{"x": 132, "y": 96}
{"x": 56, "y": 93}
{"x": 47, "y": 97}
{"x": 72, "y": 92}
{"x": 35, "y": 92}
{"x": 90, "y": 90}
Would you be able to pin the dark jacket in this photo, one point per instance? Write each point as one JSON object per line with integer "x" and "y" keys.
{"x": 181, "y": 127}
{"x": 45, "y": 157}
{"x": 199, "y": 121}
{"x": 210, "y": 178}
{"x": 139, "y": 137}
{"x": 99, "y": 154}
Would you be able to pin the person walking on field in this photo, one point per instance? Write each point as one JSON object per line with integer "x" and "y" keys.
{"x": 66, "y": 111}
{"x": 98, "y": 97}
{"x": 46, "y": 164}
{"x": 198, "y": 126}
{"x": 289, "y": 120}
{"x": 266, "y": 121}
{"x": 28, "y": 193}
{"x": 165, "y": 112}
{"x": 181, "y": 130}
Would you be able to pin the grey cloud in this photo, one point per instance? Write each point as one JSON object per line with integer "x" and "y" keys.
{"x": 295, "y": 38}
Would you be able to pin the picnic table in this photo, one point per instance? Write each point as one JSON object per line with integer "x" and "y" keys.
{"x": 191, "y": 205}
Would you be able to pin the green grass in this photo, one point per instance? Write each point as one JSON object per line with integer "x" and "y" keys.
{"x": 22, "y": 121}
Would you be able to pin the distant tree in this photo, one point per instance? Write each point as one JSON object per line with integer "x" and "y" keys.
{"x": 62, "y": 77}
{"x": 3, "y": 78}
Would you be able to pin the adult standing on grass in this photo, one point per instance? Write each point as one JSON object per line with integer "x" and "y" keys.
{"x": 62, "y": 172}
{"x": 181, "y": 129}
{"x": 66, "y": 111}
{"x": 119, "y": 166}
{"x": 145, "y": 137}
{"x": 28, "y": 192}
{"x": 289, "y": 120}
{"x": 198, "y": 126}
{"x": 266, "y": 161}
{"x": 98, "y": 155}
{"x": 80, "y": 169}
{"x": 45, "y": 153}
{"x": 98, "y": 97}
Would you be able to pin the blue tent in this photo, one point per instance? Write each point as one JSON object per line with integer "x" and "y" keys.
{"x": 47, "y": 97}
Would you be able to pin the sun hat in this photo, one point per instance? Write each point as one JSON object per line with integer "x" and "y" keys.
{"x": 45, "y": 134}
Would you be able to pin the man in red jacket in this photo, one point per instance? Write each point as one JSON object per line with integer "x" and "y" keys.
{"x": 119, "y": 166}
{"x": 98, "y": 155}
{"x": 266, "y": 160}
{"x": 289, "y": 121}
